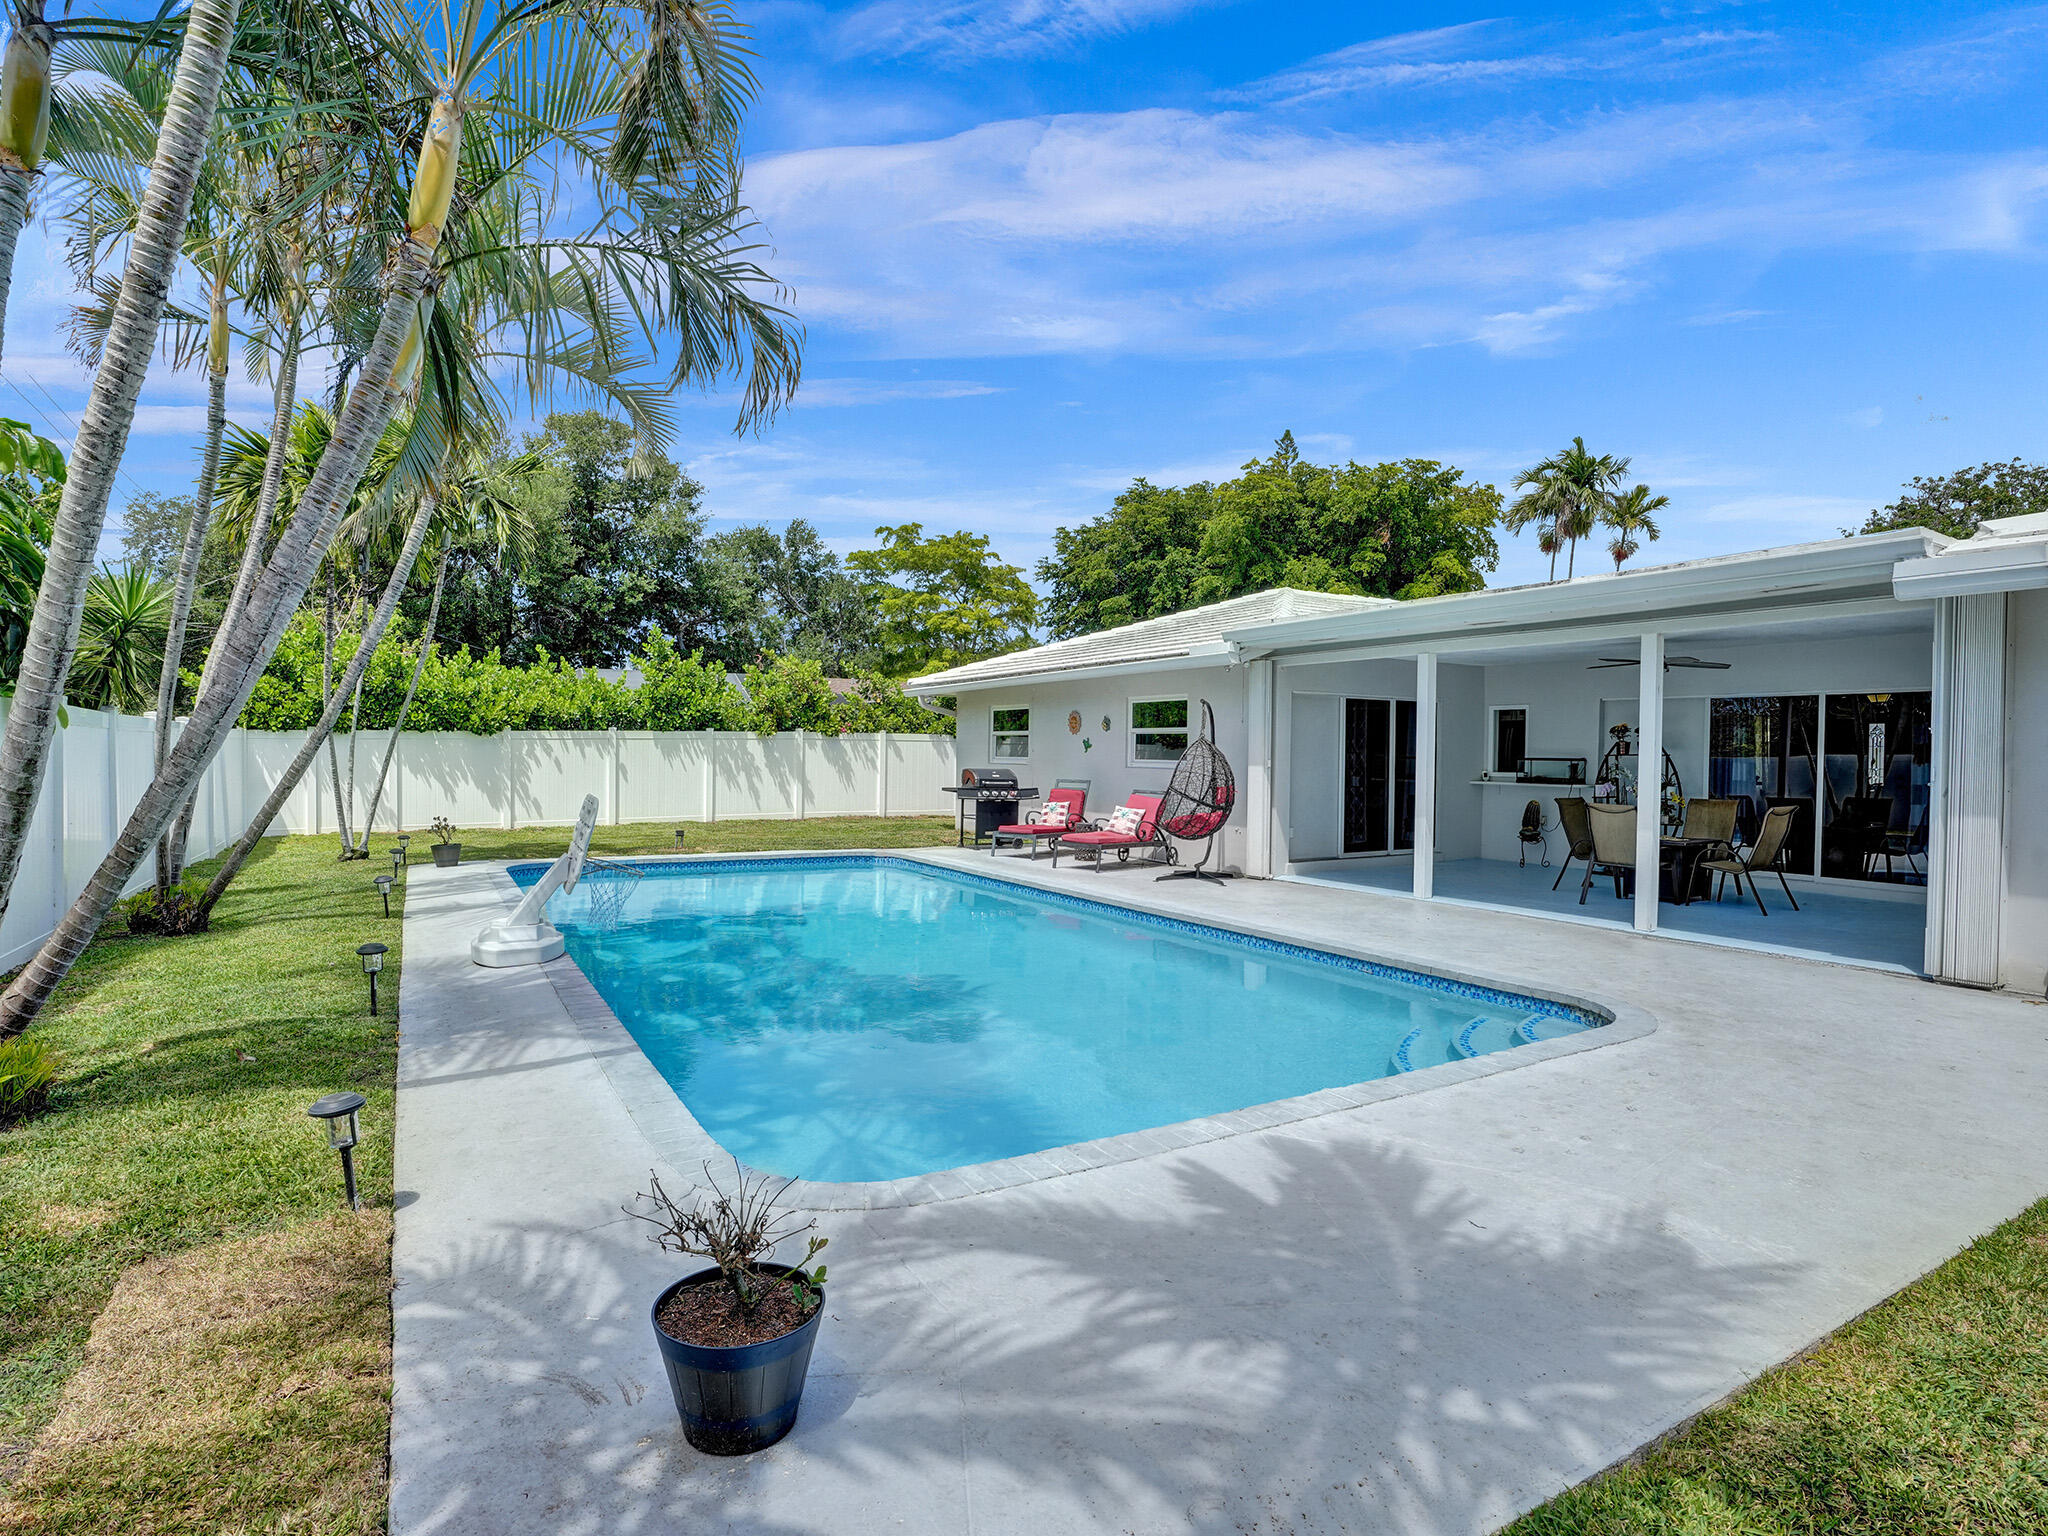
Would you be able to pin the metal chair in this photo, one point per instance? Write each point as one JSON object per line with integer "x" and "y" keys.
{"x": 1614, "y": 846}
{"x": 1767, "y": 852}
{"x": 1578, "y": 833}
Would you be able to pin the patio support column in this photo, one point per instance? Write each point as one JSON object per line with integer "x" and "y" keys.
{"x": 1258, "y": 799}
{"x": 1966, "y": 821}
{"x": 1425, "y": 775}
{"x": 1649, "y": 780}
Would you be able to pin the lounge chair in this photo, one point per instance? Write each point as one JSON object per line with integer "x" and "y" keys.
{"x": 1614, "y": 846}
{"x": 1767, "y": 852}
{"x": 1578, "y": 833}
{"x": 1072, "y": 794}
{"x": 1102, "y": 841}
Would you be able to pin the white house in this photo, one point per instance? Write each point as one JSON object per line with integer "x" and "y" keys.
{"x": 1891, "y": 688}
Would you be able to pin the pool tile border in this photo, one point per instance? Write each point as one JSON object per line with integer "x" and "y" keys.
{"x": 666, "y": 1123}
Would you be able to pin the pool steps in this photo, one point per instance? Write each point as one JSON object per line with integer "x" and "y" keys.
{"x": 1482, "y": 1036}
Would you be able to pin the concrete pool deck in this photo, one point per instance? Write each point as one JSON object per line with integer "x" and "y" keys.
{"x": 1424, "y": 1314}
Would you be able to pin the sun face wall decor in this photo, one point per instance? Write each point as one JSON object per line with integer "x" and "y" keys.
{"x": 1074, "y": 722}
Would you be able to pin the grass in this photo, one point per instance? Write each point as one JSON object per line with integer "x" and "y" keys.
{"x": 194, "y": 1336}
{"x": 1928, "y": 1415}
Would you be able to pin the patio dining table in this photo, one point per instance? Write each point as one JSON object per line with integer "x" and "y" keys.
{"x": 1682, "y": 874}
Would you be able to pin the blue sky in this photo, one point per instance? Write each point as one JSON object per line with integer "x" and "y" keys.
{"x": 1783, "y": 255}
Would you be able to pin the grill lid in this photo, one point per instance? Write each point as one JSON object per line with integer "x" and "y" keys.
{"x": 988, "y": 778}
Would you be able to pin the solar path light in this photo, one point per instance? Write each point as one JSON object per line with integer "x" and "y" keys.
{"x": 338, "y": 1112}
{"x": 397, "y": 860}
{"x": 383, "y": 884}
{"x": 372, "y": 956}
{"x": 679, "y": 839}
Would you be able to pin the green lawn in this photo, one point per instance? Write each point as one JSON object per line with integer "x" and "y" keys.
{"x": 1927, "y": 1416}
{"x": 193, "y": 1337}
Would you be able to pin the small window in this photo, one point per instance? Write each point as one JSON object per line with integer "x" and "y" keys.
{"x": 1012, "y": 741}
{"x": 1510, "y": 739}
{"x": 1159, "y": 731}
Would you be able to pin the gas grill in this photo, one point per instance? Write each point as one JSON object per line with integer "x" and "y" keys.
{"x": 994, "y": 793}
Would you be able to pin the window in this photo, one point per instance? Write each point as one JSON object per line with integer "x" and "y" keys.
{"x": 1873, "y": 823}
{"x": 1012, "y": 739}
{"x": 1510, "y": 739}
{"x": 1159, "y": 731}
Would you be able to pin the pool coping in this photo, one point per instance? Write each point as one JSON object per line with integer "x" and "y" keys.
{"x": 661, "y": 1117}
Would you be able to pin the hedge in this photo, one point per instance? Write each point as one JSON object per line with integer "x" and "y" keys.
{"x": 483, "y": 696}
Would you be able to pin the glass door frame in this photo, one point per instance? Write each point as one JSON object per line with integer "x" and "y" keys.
{"x": 1399, "y": 810}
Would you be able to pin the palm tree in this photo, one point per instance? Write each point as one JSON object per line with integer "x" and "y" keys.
{"x": 121, "y": 640}
{"x": 1564, "y": 495}
{"x": 481, "y": 504}
{"x": 165, "y": 205}
{"x": 645, "y": 102}
{"x": 1628, "y": 513}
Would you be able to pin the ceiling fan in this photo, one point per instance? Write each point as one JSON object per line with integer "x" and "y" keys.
{"x": 1669, "y": 662}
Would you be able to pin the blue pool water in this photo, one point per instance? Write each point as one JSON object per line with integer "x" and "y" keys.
{"x": 871, "y": 1018}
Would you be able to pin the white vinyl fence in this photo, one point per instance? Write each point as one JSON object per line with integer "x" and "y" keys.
{"x": 100, "y": 764}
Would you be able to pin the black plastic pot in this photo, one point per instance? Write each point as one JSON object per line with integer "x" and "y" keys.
{"x": 447, "y": 855}
{"x": 741, "y": 1398}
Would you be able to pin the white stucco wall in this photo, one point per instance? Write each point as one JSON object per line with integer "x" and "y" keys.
{"x": 2023, "y": 959}
{"x": 1057, "y": 753}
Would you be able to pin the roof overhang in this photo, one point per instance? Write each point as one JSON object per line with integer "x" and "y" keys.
{"x": 1667, "y": 598}
{"x": 1205, "y": 653}
{"x": 1973, "y": 568}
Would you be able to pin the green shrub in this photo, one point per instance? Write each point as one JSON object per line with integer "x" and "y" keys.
{"x": 169, "y": 912}
{"x": 679, "y": 691}
{"x": 27, "y": 1068}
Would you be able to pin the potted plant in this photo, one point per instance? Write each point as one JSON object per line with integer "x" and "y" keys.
{"x": 447, "y": 851}
{"x": 735, "y": 1338}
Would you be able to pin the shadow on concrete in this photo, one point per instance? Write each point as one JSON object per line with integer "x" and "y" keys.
{"x": 1329, "y": 1337}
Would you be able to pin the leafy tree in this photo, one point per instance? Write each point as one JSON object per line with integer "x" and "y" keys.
{"x": 1957, "y": 504}
{"x": 1407, "y": 529}
{"x": 944, "y": 600}
{"x": 787, "y": 593}
{"x": 31, "y": 475}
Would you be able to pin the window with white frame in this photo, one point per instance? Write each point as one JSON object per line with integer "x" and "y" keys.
{"x": 1011, "y": 738}
{"x": 1159, "y": 732}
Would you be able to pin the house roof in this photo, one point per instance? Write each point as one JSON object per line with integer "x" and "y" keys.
{"x": 1909, "y": 564}
{"x": 1191, "y": 634}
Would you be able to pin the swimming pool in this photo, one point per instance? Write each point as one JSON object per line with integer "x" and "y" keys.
{"x": 861, "y": 1017}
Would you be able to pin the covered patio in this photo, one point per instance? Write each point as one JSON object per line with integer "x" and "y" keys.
{"x": 1459, "y": 766}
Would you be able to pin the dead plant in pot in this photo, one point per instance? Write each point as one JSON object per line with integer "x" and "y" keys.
{"x": 735, "y": 1338}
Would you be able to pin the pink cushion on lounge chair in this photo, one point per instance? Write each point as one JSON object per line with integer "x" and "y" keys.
{"x": 1028, "y": 829}
{"x": 1101, "y": 839}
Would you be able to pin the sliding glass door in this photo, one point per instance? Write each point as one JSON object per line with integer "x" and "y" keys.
{"x": 1855, "y": 768}
{"x": 1379, "y": 775}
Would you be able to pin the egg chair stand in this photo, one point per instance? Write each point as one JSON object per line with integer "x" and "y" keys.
{"x": 1198, "y": 800}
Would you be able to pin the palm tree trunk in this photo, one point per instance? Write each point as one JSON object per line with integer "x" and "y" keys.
{"x": 323, "y": 729}
{"x": 419, "y": 668}
{"x": 253, "y": 556}
{"x": 326, "y": 698}
{"x": 355, "y": 722}
{"x": 245, "y": 650}
{"x": 24, "y": 131}
{"x": 168, "y": 852}
{"x": 103, "y": 434}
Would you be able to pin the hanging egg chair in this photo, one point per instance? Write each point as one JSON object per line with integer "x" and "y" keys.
{"x": 1199, "y": 798}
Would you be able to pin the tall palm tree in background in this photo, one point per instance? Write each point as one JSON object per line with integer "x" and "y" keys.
{"x": 109, "y": 413}
{"x": 1630, "y": 514}
{"x": 638, "y": 102}
{"x": 1564, "y": 496}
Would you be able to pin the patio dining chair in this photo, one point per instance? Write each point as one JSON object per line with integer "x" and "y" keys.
{"x": 1766, "y": 853}
{"x": 1578, "y": 833}
{"x": 1713, "y": 819}
{"x": 1614, "y": 846}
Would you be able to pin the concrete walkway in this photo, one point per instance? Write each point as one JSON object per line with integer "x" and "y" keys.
{"x": 1422, "y": 1315}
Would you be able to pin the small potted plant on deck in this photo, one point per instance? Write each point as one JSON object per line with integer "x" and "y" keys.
{"x": 735, "y": 1338}
{"x": 447, "y": 851}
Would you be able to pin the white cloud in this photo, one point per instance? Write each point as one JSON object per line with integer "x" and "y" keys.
{"x": 1870, "y": 416}
{"x": 970, "y": 30}
{"x": 838, "y": 392}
